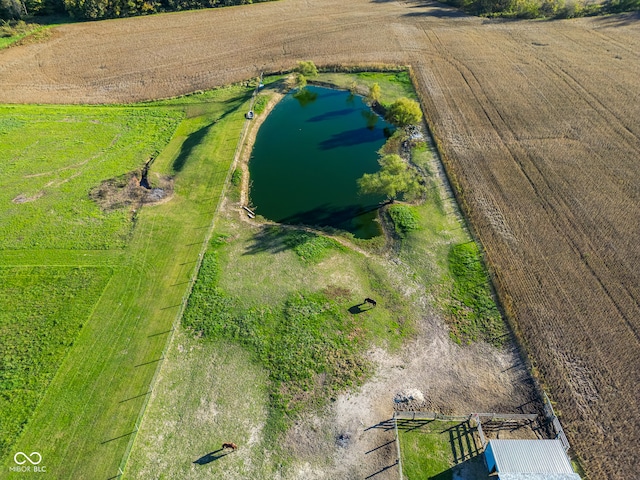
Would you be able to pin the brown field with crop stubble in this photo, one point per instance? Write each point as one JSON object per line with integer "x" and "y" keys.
{"x": 539, "y": 126}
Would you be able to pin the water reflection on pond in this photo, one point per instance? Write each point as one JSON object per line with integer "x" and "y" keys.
{"x": 308, "y": 155}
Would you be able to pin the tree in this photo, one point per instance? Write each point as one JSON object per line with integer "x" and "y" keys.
{"x": 374, "y": 95}
{"x": 296, "y": 80}
{"x": 394, "y": 178}
{"x": 308, "y": 68}
{"x": 403, "y": 112}
{"x": 10, "y": 10}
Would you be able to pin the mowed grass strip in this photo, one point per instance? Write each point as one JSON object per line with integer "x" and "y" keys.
{"x": 85, "y": 421}
{"x": 42, "y": 310}
{"x": 53, "y": 157}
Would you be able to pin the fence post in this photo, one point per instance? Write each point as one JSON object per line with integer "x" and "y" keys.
{"x": 395, "y": 428}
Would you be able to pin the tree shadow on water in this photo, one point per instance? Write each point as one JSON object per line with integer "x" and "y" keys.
{"x": 330, "y": 115}
{"x": 211, "y": 457}
{"x": 350, "y": 138}
{"x": 187, "y": 147}
{"x": 305, "y": 97}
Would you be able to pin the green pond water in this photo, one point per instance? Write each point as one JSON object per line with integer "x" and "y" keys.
{"x": 307, "y": 157}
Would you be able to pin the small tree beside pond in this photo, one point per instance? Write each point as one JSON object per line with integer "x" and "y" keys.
{"x": 374, "y": 95}
{"x": 395, "y": 178}
{"x": 403, "y": 112}
{"x": 307, "y": 68}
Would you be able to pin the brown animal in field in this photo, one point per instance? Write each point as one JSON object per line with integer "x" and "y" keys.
{"x": 370, "y": 301}
{"x": 230, "y": 445}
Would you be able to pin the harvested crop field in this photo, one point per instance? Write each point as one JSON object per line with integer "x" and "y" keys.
{"x": 539, "y": 126}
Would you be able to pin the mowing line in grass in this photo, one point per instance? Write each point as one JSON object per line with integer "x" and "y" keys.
{"x": 83, "y": 424}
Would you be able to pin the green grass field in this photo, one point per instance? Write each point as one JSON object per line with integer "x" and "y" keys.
{"x": 438, "y": 450}
{"x": 86, "y": 418}
{"x": 42, "y": 310}
{"x": 392, "y": 85}
{"x": 55, "y": 155}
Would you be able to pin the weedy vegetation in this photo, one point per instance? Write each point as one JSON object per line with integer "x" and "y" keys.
{"x": 436, "y": 449}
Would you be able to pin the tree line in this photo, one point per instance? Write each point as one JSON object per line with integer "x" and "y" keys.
{"x": 98, "y": 9}
{"x": 543, "y": 8}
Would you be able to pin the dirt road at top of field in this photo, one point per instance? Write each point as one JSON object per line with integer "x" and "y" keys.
{"x": 538, "y": 124}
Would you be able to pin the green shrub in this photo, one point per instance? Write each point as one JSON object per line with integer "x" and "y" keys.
{"x": 310, "y": 247}
{"x": 261, "y": 103}
{"x": 236, "y": 177}
{"x": 405, "y": 219}
{"x": 403, "y": 112}
{"x": 307, "y": 68}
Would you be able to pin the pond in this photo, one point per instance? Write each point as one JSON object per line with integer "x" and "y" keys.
{"x": 308, "y": 155}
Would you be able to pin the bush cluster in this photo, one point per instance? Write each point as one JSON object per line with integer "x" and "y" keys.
{"x": 543, "y": 8}
{"x": 405, "y": 219}
{"x": 98, "y": 9}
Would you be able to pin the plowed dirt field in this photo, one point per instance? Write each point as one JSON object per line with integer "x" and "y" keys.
{"x": 539, "y": 126}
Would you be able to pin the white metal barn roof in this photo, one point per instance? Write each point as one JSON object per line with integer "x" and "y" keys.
{"x": 529, "y": 460}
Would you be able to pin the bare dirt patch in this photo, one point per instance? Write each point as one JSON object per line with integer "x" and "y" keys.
{"x": 127, "y": 191}
{"x": 354, "y": 433}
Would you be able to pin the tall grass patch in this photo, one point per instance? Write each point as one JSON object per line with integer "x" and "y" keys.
{"x": 405, "y": 219}
{"x": 393, "y": 85}
{"x": 56, "y": 155}
{"x": 473, "y": 311}
{"x": 42, "y": 310}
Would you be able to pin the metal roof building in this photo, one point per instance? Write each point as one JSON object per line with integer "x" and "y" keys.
{"x": 528, "y": 460}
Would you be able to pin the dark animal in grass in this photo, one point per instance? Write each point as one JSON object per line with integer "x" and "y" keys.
{"x": 230, "y": 445}
{"x": 370, "y": 301}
